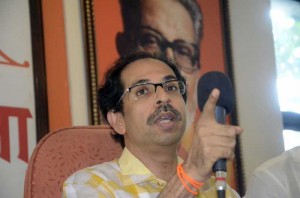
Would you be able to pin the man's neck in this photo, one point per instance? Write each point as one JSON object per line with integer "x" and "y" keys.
{"x": 161, "y": 162}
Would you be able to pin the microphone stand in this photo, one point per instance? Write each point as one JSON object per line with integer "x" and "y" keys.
{"x": 221, "y": 183}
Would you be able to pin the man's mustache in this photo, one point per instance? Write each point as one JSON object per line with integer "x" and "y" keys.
{"x": 163, "y": 108}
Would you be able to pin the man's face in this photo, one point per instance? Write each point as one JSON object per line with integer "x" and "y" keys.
{"x": 170, "y": 20}
{"x": 155, "y": 119}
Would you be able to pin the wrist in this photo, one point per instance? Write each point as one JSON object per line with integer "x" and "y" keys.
{"x": 195, "y": 172}
{"x": 188, "y": 182}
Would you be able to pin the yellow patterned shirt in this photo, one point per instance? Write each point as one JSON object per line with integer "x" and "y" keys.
{"x": 124, "y": 177}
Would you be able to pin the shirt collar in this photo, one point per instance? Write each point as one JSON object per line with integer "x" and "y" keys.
{"x": 130, "y": 165}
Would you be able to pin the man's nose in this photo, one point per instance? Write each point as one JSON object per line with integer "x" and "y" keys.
{"x": 161, "y": 96}
{"x": 170, "y": 53}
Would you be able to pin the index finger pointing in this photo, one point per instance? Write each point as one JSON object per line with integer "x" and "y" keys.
{"x": 210, "y": 105}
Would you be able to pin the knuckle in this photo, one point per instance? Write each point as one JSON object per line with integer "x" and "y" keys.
{"x": 232, "y": 131}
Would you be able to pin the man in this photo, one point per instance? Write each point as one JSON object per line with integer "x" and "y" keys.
{"x": 172, "y": 28}
{"x": 143, "y": 98}
{"x": 277, "y": 177}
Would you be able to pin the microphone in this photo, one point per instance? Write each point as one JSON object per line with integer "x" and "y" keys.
{"x": 206, "y": 84}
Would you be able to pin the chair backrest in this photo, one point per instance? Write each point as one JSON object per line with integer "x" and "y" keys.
{"x": 63, "y": 152}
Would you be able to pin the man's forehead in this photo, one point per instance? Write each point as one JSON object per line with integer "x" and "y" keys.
{"x": 147, "y": 70}
{"x": 148, "y": 64}
{"x": 170, "y": 18}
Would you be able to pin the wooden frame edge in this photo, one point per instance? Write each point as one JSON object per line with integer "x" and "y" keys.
{"x": 91, "y": 59}
{"x": 39, "y": 68}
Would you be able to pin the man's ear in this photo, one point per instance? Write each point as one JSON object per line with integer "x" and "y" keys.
{"x": 116, "y": 120}
{"x": 124, "y": 44}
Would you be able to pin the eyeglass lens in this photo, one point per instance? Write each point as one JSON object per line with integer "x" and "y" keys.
{"x": 185, "y": 53}
{"x": 147, "y": 90}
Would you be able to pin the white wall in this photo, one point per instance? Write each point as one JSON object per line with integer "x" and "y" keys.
{"x": 16, "y": 96}
{"x": 255, "y": 77}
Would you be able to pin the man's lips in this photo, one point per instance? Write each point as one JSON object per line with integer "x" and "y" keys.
{"x": 163, "y": 115}
{"x": 166, "y": 117}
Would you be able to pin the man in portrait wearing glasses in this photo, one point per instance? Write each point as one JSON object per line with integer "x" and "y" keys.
{"x": 143, "y": 98}
{"x": 172, "y": 28}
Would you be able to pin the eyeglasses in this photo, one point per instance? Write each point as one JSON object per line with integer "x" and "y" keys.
{"x": 186, "y": 54}
{"x": 143, "y": 91}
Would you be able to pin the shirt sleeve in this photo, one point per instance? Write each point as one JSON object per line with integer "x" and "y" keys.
{"x": 264, "y": 184}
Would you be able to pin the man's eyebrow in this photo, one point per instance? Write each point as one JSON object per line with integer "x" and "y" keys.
{"x": 159, "y": 33}
{"x": 170, "y": 77}
{"x": 141, "y": 81}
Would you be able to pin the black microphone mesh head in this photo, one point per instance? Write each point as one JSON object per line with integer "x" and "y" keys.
{"x": 219, "y": 80}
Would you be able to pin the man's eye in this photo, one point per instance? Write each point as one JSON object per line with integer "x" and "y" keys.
{"x": 141, "y": 91}
{"x": 171, "y": 87}
{"x": 149, "y": 40}
{"x": 184, "y": 50}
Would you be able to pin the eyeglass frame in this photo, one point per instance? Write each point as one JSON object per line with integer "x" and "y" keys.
{"x": 166, "y": 44}
{"x": 155, "y": 87}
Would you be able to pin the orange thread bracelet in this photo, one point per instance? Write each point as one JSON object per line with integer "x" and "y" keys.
{"x": 186, "y": 186}
{"x": 184, "y": 178}
{"x": 189, "y": 179}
